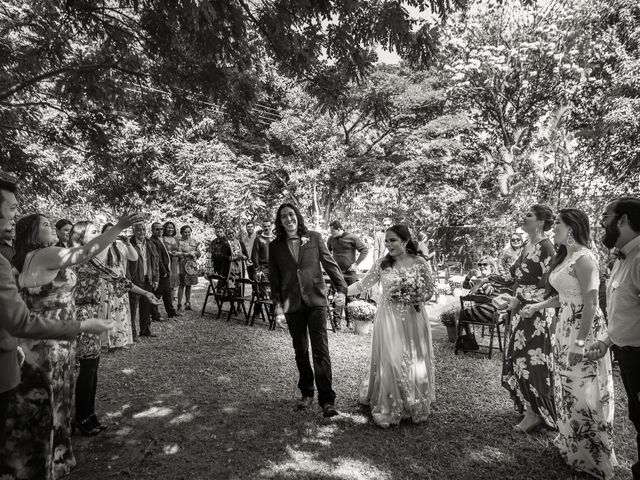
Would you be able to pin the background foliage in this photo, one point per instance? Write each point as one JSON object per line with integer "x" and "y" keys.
{"x": 215, "y": 112}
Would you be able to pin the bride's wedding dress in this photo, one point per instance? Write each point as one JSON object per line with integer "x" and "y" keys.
{"x": 401, "y": 380}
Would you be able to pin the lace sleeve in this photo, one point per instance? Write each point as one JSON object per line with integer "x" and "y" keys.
{"x": 370, "y": 279}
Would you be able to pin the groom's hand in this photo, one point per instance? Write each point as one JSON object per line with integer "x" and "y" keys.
{"x": 281, "y": 321}
{"x": 339, "y": 300}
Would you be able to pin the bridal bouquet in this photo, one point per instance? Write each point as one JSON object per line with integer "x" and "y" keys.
{"x": 413, "y": 288}
{"x": 361, "y": 311}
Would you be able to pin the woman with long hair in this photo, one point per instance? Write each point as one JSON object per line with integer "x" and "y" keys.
{"x": 38, "y": 441}
{"x": 93, "y": 301}
{"x": 584, "y": 388}
{"x": 527, "y": 369}
{"x": 189, "y": 252}
{"x": 120, "y": 252}
{"x": 173, "y": 249}
{"x": 401, "y": 379}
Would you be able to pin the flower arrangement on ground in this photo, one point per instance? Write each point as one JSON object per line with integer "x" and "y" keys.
{"x": 443, "y": 288}
{"x": 414, "y": 288}
{"x": 360, "y": 310}
{"x": 449, "y": 318}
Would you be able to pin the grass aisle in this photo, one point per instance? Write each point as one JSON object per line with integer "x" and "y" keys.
{"x": 209, "y": 399}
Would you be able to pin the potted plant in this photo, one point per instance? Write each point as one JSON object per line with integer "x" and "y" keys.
{"x": 449, "y": 319}
{"x": 362, "y": 313}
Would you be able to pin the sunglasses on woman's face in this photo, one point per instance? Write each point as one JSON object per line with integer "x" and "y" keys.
{"x": 483, "y": 264}
{"x": 516, "y": 239}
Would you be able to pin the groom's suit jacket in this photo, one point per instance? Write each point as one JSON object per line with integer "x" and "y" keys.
{"x": 294, "y": 280}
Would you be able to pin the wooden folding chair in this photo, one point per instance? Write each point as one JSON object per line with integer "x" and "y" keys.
{"x": 214, "y": 281}
{"x": 499, "y": 319}
{"x": 237, "y": 297}
{"x": 262, "y": 303}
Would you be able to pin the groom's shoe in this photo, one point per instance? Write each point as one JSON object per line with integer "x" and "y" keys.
{"x": 304, "y": 403}
{"x": 329, "y": 410}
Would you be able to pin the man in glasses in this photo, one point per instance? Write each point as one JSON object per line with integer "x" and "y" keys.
{"x": 379, "y": 250}
{"x": 621, "y": 223}
{"x": 509, "y": 255}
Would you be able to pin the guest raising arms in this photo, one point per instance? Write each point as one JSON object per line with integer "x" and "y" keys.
{"x": 38, "y": 444}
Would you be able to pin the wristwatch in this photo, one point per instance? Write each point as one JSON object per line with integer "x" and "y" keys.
{"x": 579, "y": 343}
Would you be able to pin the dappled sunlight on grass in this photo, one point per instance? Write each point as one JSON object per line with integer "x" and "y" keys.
{"x": 120, "y": 412}
{"x": 124, "y": 431}
{"x": 154, "y": 412}
{"x": 170, "y": 449}
{"x": 182, "y": 418}
{"x": 128, "y": 371}
{"x": 300, "y": 464}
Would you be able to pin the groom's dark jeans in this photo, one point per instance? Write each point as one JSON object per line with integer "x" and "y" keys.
{"x": 629, "y": 363}
{"x": 314, "y": 321}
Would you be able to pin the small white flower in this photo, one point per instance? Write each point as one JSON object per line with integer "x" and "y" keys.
{"x": 304, "y": 240}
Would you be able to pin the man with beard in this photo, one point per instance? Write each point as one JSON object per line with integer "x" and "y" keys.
{"x": 621, "y": 222}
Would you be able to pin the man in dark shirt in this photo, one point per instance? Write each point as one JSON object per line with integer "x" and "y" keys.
{"x": 7, "y": 236}
{"x": 260, "y": 251}
{"x": 343, "y": 246}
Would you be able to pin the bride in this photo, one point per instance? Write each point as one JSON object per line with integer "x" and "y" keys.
{"x": 401, "y": 380}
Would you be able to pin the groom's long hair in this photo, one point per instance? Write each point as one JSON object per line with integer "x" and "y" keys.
{"x": 279, "y": 230}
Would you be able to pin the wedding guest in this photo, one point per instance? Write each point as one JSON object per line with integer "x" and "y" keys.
{"x": 298, "y": 293}
{"x": 119, "y": 253}
{"x": 621, "y": 223}
{"x": 238, "y": 255}
{"x": 379, "y": 249}
{"x": 17, "y": 321}
{"x": 171, "y": 244}
{"x": 92, "y": 301}
{"x": 401, "y": 379}
{"x": 144, "y": 273}
{"x": 343, "y": 246}
{"x": 163, "y": 290}
{"x": 527, "y": 370}
{"x": 7, "y": 237}
{"x": 220, "y": 251}
{"x": 189, "y": 252}
{"x": 260, "y": 251}
{"x": 584, "y": 387}
{"x": 509, "y": 254}
{"x": 477, "y": 281}
{"x": 63, "y": 229}
{"x": 39, "y": 446}
{"x": 248, "y": 240}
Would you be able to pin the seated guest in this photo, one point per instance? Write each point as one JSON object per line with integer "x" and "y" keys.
{"x": 63, "y": 231}
{"x": 509, "y": 255}
{"x": 479, "y": 285}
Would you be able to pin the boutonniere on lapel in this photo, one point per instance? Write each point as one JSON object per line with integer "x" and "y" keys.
{"x": 303, "y": 241}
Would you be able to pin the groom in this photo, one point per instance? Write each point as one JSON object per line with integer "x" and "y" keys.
{"x": 299, "y": 294}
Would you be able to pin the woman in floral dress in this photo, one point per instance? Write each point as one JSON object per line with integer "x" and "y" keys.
{"x": 119, "y": 253}
{"x": 188, "y": 251}
{"x": 401, "y": 379}
{"x": 584, "y": 388}
{"x": 38, "y": 441}
{"x": 91, "y": 302}
{"x": 238, "y": 255}
{"x": 527, "y": 370}
{"x": 173, "y": 248}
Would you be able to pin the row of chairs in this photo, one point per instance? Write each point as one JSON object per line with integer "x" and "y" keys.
{"x": 236, "y": 298}
{"x": 259, "y": 301}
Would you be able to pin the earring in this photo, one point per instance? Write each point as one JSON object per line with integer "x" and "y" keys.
{"x": 570, "y": 240}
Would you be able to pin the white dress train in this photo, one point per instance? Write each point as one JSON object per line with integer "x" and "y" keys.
{"x": 401, "y": 379}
